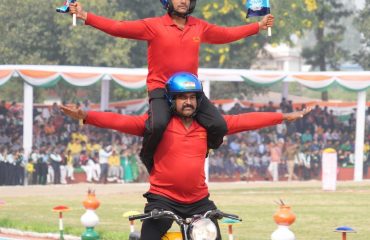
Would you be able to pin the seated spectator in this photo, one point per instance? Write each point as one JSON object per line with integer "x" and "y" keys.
{"x": 49, "y": 127}
{"x": 87, "y": 164}
{"x": 3, "y": 109}
{"x": 75, "y": 147}
{"x": 114, "y": 167}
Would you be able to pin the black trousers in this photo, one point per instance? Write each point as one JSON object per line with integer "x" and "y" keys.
{"x": 159, "y": 116}
{"x": 56, "y": 167}
{"x": 154, "y": 229}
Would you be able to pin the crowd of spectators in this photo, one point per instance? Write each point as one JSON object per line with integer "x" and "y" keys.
{"x": 62, "y": 148}
{"x": 291, "y": 150}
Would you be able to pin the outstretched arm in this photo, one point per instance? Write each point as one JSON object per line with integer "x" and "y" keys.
{"x": 134, "y": 125}
{"x": 292, "y": 116}
{"x": 138, "y": 29}
{"x": 220, "y": 35}
{"x": 257, "y": 120}
{"x": 251, "y": 121}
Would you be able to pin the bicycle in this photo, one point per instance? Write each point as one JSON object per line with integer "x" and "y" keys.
{"x": 197, "y": 227}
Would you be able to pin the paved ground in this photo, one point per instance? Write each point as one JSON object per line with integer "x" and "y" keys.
{"x": 106, "y": 189}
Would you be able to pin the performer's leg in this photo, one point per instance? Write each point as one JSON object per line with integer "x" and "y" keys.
{"x": 210, "y": 118}
{"x": 159, "y": 116}
{"x": 154, "y": 229}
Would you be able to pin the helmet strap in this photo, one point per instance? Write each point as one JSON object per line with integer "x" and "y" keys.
{"x": 182, "y": 15}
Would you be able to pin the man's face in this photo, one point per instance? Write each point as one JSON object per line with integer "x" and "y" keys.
{"x": 181, "y": 6}
{"x": 186, "y": 103}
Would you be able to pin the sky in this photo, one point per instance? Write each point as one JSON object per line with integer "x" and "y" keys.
{"x": 359, "y": 3}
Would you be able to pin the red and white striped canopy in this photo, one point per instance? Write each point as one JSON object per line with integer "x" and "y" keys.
{"x": 134, "y": 78}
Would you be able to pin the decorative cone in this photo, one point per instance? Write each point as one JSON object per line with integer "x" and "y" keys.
{"x": 284, "y": 217}
{"x": 89, "y": 219}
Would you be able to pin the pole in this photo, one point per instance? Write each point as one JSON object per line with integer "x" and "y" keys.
{"x": 61, "y": 225}
{"x": 27, "y": 123}
{"x": 104, "y": 97}
{"x": 360, "y": 135}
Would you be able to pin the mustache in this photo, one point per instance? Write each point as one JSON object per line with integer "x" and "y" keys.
{"x": 188, "y": 105}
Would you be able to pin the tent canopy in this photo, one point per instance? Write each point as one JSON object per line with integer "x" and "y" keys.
{"x": 134, "y": 78}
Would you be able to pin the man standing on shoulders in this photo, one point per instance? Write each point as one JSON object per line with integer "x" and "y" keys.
{"x": 174, "y": 40}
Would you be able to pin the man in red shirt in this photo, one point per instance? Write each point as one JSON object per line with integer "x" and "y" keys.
{"x": 173, "y": 45}
{"x": 177, "y": 180}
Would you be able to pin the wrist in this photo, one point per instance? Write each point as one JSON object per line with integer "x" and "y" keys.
{"x": 84, "y": 115}
{"x": 83, "y": 16}
{"x": 284, "y": 116}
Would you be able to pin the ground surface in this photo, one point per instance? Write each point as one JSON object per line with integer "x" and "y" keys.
{"x": 318, "y": 212}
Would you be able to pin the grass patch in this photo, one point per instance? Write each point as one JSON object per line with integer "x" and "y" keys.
{"x": 318, "y": 213}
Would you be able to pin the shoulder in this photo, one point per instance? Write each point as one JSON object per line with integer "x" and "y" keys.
{"x": 157, "y": 20}
{"x": 153, "y": 19}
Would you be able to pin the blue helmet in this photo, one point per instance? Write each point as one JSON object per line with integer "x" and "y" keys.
{"x": 183, "y": 82}
{"x": 167, "y": 4}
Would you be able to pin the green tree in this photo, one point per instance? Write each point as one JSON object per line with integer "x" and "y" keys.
{"x": 243, "y": 53}
{"x": 138, "y": 53}
{"x": 362, "y": 20}
{"x": 89, "y": 47}
{"x": 37, "y": 34}
{"x": 325, "y": 19}
{"x": 28, "y": 37}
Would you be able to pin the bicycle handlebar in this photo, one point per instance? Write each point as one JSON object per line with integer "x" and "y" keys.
{"x": 139, "y": 216}
{"x": 219, "y": 215}
{"x": 168, "y": 214}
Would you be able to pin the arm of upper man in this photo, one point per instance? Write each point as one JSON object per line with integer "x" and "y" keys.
{"x": 221, "y": 35}
{"x": 138, "y": 29}
{"x": 130, "y": 124}
{"x": 251, "y": 121}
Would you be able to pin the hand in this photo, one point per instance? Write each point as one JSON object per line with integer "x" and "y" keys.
{"x": 77, "y": 114}
{"x": 76, "y": 8}
{"x": 296, "y": 115}
{"x": 266, "y": 22}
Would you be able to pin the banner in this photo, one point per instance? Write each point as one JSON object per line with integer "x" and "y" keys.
{"x": 257, "y": 8}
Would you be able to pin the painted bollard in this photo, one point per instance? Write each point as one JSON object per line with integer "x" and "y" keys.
{"x": 344, "y": 230}
{"x": 284, "y": 217}
{"x": 89, "y": 219}
{"x": 60, "y": 210}
{"x": 230, "y": 222}
{"x": 134, "y": 235}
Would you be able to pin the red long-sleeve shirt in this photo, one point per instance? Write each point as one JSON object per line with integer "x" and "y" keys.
{"x": 170, "y": 49}
{"x": 178, "y": 171}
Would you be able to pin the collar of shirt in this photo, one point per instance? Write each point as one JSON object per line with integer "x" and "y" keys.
{"x": 168, "y": 21}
